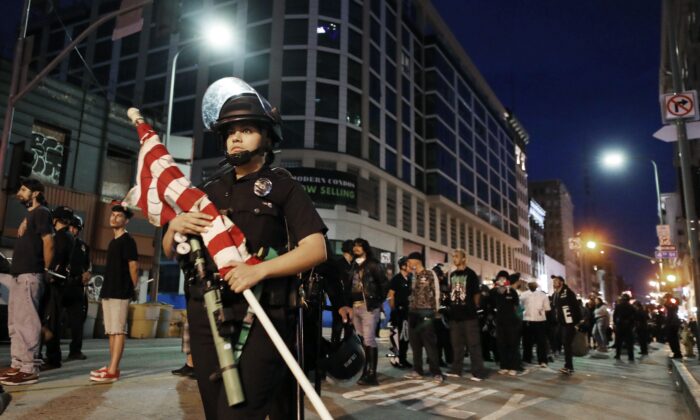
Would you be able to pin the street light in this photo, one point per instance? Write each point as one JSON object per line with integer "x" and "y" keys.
{"x": 591, "y": 244}
{"x": 615, "y": 159}
{"x": 671, "y": 278}
{"x": 217, "y": 35}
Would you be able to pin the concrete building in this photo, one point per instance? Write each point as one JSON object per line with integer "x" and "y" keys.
{"x": 552, "y": 267}
{"x": 382, "y": 107}
{"x": 537, "y": 217}
{"x": 555, "y": 199}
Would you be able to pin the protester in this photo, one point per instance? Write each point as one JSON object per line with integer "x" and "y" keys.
{"x": 32, "y": 257}
{"x": 567, "y": 315}
{"x": 422, "y": 309}
{"x": 442, "y": 331}
{"x": 672, "y": 325}
{"x": 641, "y": 327}
{"x": 121, "y": 276}
{"x": 536, "y": 304}
{"x": 368, "y": 290}
{"x": 487, "y": 324}
{"x": 508, "y": 325}
{"x": 601, "y": 325}
{"x": 464, "y": 299}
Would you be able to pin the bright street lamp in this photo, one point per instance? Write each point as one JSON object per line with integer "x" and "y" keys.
{"x": 615, "y": 159}
{"x": 671, "y": 278}
{"x": 591, "y": 244}
{"x": 217, "y": 35}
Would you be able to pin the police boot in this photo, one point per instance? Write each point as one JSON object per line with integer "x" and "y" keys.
{"x": 363, "y": 378}
{"x": 371, "y": 377}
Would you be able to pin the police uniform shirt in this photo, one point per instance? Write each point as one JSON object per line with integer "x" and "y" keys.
{"x": 80, "y": 258}
{"x": 260, "y": 212}
{"x": 63, "y": 247}
{"x": 402, "y": 289}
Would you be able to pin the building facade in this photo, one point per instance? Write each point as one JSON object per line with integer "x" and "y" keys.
{"x": 537, "y": 217}
{"x": 381, "y": 105}
{"x": 555, "y": 199}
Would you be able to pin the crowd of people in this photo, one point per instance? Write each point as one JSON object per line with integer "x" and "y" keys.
{"x": 452, "y": 313}
{"x": 50, "y": 268}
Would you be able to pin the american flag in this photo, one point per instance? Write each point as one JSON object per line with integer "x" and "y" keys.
{"x": 162, "y": 192}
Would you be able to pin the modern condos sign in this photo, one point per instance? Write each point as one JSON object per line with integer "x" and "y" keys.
{"x": 327, "y": 187}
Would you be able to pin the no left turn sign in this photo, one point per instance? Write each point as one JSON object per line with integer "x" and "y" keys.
{"x": 680, "y": 106}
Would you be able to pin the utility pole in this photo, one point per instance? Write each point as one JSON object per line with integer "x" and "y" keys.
{"x": 684, "y": 158}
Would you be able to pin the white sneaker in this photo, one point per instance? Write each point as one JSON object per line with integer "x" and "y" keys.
{"x": 413, "y": 375}
{"x": 453, "y": 375}
{"x": 438, "y": 379}
{"x": 475, "y": 378}
{"x": 513, "y": 372}
{"x": 544, "y": 365}
{"x": 503, "y": 371}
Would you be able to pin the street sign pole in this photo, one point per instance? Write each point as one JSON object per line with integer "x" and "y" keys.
{"x": 684, "y": 157}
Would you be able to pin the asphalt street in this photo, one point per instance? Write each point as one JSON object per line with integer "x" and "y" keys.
{"x": 600, "y": 389}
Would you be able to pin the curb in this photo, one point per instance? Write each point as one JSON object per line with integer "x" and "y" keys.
{"x": 687, "y": 384}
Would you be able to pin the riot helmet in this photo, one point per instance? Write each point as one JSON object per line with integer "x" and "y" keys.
{"x": 231, "y": 100}
{"x": 63, "y": 213}
{"x": 77, "y": 222}
{"x": 347, "y": 358}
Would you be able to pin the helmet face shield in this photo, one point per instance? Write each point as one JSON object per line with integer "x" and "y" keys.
{"x": 219, "y": 97}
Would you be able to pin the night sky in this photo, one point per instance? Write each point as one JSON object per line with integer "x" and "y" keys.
{"x": 581, "y": 77}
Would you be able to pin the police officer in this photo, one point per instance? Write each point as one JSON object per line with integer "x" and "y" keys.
{"x": 74, "y": 298}
{"x": 272, "y": 211}
{"x": 63, "y": 247}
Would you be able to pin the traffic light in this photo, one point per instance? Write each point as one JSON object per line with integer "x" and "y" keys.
{"x": 20, "y": 166}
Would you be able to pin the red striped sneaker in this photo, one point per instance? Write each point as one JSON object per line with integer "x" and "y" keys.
{"x": 105, "y": 377}
{"x": 7, "y": 372}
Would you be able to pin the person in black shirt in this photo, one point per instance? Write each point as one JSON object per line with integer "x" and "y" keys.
{"x": 335, "y": 289}
{"x": 32, "y": 256}
{"x": 121, "y": 276}
{"x": 63, "y": 248}
{"x": 673, "y": 323}
{"x": 399, "y": 291}
{"x": 74, "y": 299}
{"x": 506, "y": 303}
{"x": 567, "y": 314}
{"x": 273, "y": 212}
{"x": 464, "y": 299}
{"x": 623, "y": 319}
{"x": 641, "y": 327}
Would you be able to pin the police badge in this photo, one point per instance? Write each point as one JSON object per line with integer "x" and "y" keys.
{"x": 262, "y": 187}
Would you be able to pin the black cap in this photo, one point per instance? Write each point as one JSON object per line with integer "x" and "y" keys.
{"x": 63, "y": 213}
{"x": 76, "y": 222}
{"x": 127, "y": 213}
{"x": 415, "y": 256}
{"x": 554, "y": 276}
{"x": 402, "y": 261}
{"x": 502, "y": 273}
{"x": 33, "y": 185}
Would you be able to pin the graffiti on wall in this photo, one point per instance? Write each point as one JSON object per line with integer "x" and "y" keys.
{"x": 48, "y": 145}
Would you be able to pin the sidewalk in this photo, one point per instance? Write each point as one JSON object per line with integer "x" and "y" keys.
{"x": 686, "y": 375}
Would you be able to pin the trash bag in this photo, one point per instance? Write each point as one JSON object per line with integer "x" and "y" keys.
{"x": 579, "y": 347}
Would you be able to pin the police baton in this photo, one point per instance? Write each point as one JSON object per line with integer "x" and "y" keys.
{"x": 287, "y": 355}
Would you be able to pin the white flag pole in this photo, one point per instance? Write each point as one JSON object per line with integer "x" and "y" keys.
{"x": 287, "y": 356}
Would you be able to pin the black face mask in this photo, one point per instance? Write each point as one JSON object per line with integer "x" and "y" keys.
{"x": 241, "y": 158}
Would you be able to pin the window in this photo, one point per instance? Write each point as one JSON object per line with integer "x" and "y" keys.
{"x": 390, "y": 161}
{"x": 355, "y": 43}
{"x": 296, "y": 31}
{"x": 462, "y": 237}
{"x": 353, "y": 142}
{"x": 420, "y": 218}
{"x": 48, "y": 145}
{"x": 185, "y": 83}
{"x": 127, "y": 70}
{"x": 329, "y": 165}
{"x": 471, "y": 240}
{"x": 328, "y": 34}
{"x": 375, "y": 87}
{"x": 478, "y": 244}
{"x": 293, "y": 98}
{"x": 258, "y": 37}
{"x": 326, "y": 136}
{"x": 374, "y": 119}
{"x": 326, "y": 100}
{"x": 154, "y": 90}
{"x": 294, "y": 63}
{"x": 491, "y": 250}
{"x": 293, "y": 132}
{"x": 432, "y": 224}
{"x": 390, "y": 131}
{"x": 117, "y": 172}
{"x": 328, "y": 65}
{"x": 299, "y": 7}
{"x": 183, "y": 114}
{"x": 443, "y": 229}
{"x": 157, "y": 63}
{"x": 355, "y": 14}
{"x": 257, "y": 68}
{"x": 354, "y": 108}
{"x": 330, "y": 8}
{"x": 407, "y": 212}
{"x": 259, "y": 10}
{"x": 391, "y": 205}
{"x": 374, "y": 152}
{"x": 354, "y": 73}
{"x": 221, "y": 70}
